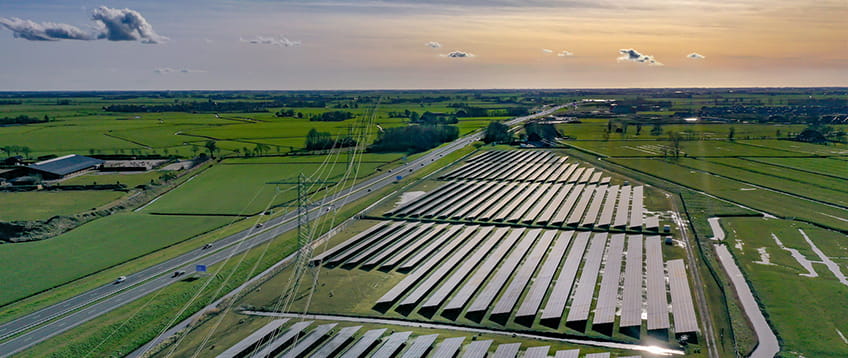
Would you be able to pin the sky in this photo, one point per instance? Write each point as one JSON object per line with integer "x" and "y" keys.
{"x": 420, "y": 44}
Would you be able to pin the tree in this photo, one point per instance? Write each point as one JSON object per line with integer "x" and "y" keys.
{"x": 211, "y": 147}
{"x": 497, "y": 132}
{"x": 26, "y": 151}
{"x": 675, "y": 138}
{"x": 194, "y": 150}
{"x": 731, "y": 133}
{"x": 638, "y": 128}
{"x": 316, "y": 140}
{"x": 7, "y": 149}
{"x": 656, "y": 130}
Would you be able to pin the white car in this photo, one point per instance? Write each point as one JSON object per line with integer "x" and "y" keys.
{"x": 121, "y": 279}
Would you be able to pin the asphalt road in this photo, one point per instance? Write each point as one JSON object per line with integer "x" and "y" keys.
{"x": 91, "y": 304}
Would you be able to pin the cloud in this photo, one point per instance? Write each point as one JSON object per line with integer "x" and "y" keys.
{"x": 545, "y": 50}
{"x": 45, "y": 31}
{"x": 458, "y": 54}
{"x": 167, "y": 70}
{"x": 281, "y": 41}
{"x": 696, "y": 56}
{"x": 110, "y": 24}
{"x": 634, "y": 56}
{"x": 565, "y": 53}
{"x": 433, "y": 44}
{"x": 125, "y": 25}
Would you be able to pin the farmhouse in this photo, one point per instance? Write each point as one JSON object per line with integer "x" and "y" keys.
{"x": 62, "y": 167}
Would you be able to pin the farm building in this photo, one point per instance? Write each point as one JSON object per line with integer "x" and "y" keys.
{"x": 58, "y": 168}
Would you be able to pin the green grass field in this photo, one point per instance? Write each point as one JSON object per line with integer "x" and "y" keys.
{"x": 130, "y": 180}
{"x": 806, "y": 311}
{"x": 651, "y": 148}
{"x": 241, "y": 189}
{"x": 772, "y": 202}
{"x": 827, "y": 166}
{"x": 42, "y": 205}
{"x": 32, "y": 267}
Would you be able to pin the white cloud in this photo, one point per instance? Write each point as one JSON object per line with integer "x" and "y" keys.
{"x": 696, "y": 56}
{"x": 110, "y": 24}
{"x": 458, "y": 54}
{"x": 275, "y": 41}
{"x": 634, "y": 56}
{"x": 565, "y": 53}
{"x": 433, "y": 44}
{"x": 166, "y": 70}
{"x": 545, "y": 50}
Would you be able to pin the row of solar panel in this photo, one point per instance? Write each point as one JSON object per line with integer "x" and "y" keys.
{"x": 514, "y": 156}
{"x": 324, "y": 341}
{"x": 514, "y": 258}
{"x": 545, "y": 204}
{"x": 557, "y": 171}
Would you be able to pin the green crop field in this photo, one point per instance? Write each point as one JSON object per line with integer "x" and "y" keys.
{"x": 768, "y": 201}
{"x": 31, "y": 267}
{"x": 805, "y": 311}
{"x": 240, "y": 188}
{"x": 655, "y": 148}
{"x": 128, "y": 179}
{"x": 42, "y": 205}
{"x": 593, "y": 129}
{"x": 832, "y": 149}
{"x": 824, "y": 189}
{"x": 827, "y": 166}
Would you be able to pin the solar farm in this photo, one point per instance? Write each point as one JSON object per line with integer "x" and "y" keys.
{"x": 285, "y": 337}
{"x": 516, "y": 241}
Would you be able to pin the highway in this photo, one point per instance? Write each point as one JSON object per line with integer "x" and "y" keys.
{"x": 82, "y": 308}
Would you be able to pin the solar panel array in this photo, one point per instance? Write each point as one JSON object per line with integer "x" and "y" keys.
{"x": 323, "y": 341}
{"x": 525, "y": 274}
{"x": 545, "y": 204}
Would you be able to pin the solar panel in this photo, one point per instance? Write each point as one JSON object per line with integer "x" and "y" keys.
{"x": 631, "y": 303}
{"x": 587, "y": 174}
{"x": 426, "y": 200}
{"x": 437, "y": 199}
{"x": 596, "y": 178}
{"x": 449, "y": 347}
{"x": 420, "y": 346}
{"x": 309, "y": 342}
{"x": 545, "y": 171}
{"x": 354, "y": 250}
{"x": 580, "y": 207}
{"x": 392, "y": 345}
{"x": 462, "y": 200}
{"x": 571, "y": 353}
{"x": 481, "y": 303}
{"x": 582, "y": 301}
{"x": 424, "y": 239}
{"x": 562, "y": 289}
{"x": 364, "y": 344}
{"x": 411, "y": 279}
{"x": 554, "y": 205}
{"x": 565, "y": 208}
{"x": 499, "y": 205}
{"x": 605, "y": 180}
{"x": 595, "y": 207}
{"x": 430, "y": 249}
{"x": 282, "y": 341}
{"x": 608, "y": 294}
{"x": 477, "y": 349}
{"x": 530, "y": 306}
{"x": 350, "y": 242}
{"x": 477, "y": 279}
{"x": 575, "y": 176}
{"x": 255, "y": 339}
{"x": 488, "y": 192}
{"x": 537, "y": 352}
{"x": 623, "y": 204}
{"x": 466, "y": 192}
{"x": 485, "y": 206}
{"x": 519, "y": 281}
{"x": 517, "y": 200}
{"x": 681, "y": 299}
{"x": 398, "y": 245}
{"x": 598, "y": 355}
{"x": 652, "y": 223}
{"x": 609, "y": 207}
{"x": 508, "y": 350}
{"x": 340, "y": 339}
{"x": 532, "y": 199}
{"x": 387, "y": 241}
{"x": 563, "y": 178}
{"x": 539, "y": 204}
{"x": 560, "y": 167}
{"x": 530, "y": 170}
{"x": 636, "y": 207}
{"x": 427, "y": 285}
{"x": 463, "y": 271}
{"x": 657, "y": 296}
